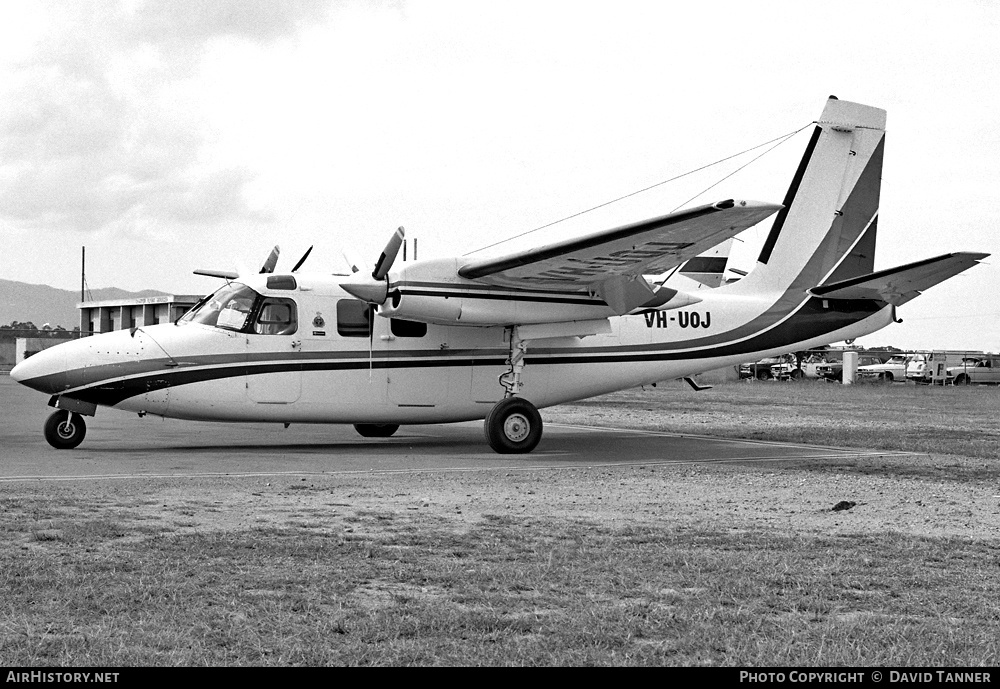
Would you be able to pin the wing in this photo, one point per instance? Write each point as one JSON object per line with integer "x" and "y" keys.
{"x": 897, "y": 286}
{"x": 611, "y": 263}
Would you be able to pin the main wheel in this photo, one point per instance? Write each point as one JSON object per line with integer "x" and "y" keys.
{"x": 65, "y": 430}
{"x": 513, "y": 426}
{"x": 961, "y": 379}
{"x": 376, "y": 430}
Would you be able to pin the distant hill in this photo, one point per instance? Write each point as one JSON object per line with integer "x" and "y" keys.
{"x": 40, "y": 304}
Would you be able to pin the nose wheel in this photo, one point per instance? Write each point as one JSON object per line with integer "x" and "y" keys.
{"x": 513, "y": 426}
{"x": 65, "y": 430}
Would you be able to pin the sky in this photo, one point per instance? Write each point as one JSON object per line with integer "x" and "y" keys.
{"x": 168, "y": 135}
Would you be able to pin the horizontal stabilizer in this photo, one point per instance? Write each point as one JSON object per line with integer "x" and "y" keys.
{"x": 897, "y": 286}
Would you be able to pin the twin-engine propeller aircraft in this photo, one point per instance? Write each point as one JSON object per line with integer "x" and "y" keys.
{"x": 459, "y": 339}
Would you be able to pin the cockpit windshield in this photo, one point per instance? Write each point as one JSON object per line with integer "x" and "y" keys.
{"x": 228, "y": 308}
{"x": 237, "y": 307}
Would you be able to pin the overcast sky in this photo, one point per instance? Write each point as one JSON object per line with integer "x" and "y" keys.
{"x": 172, "y": 135}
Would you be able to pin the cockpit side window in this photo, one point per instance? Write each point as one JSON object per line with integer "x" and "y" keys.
{"x": 276, "y": 317}
{"x": 354, "y": 318}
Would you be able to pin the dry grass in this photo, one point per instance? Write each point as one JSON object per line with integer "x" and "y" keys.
{"x": 961, "y": 421}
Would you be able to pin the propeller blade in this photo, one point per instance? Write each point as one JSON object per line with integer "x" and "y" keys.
{"x": 303, "y": 259}
{"x": 225, "y": 274}
{"x": 272, "y": 260}
{"x": 388, "y": 256}
{"x": 354, "y": 263}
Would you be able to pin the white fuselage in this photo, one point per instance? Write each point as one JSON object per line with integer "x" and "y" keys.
{"x": 319, "y": 374}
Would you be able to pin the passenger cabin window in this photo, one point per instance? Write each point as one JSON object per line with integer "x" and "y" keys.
{"x": 354, "y": 318}
{"x": 401, "y": 328}
{"x": 280, "y": 282}
{"x": 276, "y": 317}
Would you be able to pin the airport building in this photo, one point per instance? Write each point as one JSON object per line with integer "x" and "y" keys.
{"x": 121, "y": 314}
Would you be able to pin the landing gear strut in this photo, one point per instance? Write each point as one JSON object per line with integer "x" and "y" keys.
{"x": 514, "y": 425}
{"x": 65, "y": 430}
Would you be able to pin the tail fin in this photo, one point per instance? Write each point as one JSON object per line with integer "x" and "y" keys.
{"x": 826, "y": 231}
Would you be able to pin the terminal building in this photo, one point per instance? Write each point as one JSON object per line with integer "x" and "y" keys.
{"x": 121, "y": 314}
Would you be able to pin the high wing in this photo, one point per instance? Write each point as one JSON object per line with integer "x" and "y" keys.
{"x": 611, "y": 263}
{"x": 897, "y": 286}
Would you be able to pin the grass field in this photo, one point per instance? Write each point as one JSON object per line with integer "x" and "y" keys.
{"x": 355, "y": 573}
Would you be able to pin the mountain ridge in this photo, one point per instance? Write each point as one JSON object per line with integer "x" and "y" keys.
{"x": 41, "y": 304}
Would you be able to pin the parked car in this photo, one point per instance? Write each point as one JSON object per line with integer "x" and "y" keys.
{"x": 761, "y": 370}
{"x": 834, "y": 371}
{"x": 797, "y": 369}
{"x": 892, "y": 370}
{"x": 786, "y": 371}
{"x": 985, "y": 371}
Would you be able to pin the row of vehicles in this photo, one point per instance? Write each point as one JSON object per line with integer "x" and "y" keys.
{"x": 920, "y": 367}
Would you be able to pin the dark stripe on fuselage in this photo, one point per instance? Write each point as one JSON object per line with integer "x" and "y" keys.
{"x": 811, "y": 320}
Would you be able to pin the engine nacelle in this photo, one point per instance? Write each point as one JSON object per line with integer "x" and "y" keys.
{"x": 419, "y": 293}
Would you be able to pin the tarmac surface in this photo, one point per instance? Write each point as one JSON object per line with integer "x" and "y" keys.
{"x": 120, "y": 445}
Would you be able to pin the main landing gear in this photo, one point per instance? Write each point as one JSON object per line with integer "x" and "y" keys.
{"x": 376, "y": 430}
{"x": 513, "y": 425}
{"x": 65, "y": 430}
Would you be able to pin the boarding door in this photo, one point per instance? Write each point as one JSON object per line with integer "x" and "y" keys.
{"x": 274, "y": 364}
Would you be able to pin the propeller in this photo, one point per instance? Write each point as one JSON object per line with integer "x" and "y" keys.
{"x": 388, "y": 256}
{"x": 375, "y": 290}
{"x": 354, "y": 263}
{"x": 303, "y": 259}
{"x": 272, "y": 260}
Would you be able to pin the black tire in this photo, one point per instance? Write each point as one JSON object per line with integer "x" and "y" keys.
{"x": 376, "y": 430}
{"x": 961, "y": 379}
{"x": 796, "y": 374}
{"x": 887, "y": 377}
{"x": 762, "y": 374}
{"x": 65, "y": 430}
{"x": 513, "y": 426}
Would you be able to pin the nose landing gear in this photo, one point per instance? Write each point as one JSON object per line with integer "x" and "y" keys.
{"x": 65, "y": 430}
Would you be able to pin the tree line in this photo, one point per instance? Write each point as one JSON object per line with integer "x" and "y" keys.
{"x": 18, "y": 329}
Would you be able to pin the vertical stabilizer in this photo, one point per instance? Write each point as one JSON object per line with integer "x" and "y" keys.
{"x": 827, "y": 227}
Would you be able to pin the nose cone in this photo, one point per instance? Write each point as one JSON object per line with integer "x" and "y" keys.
{"x": 44, "y": 371}
{"x": 367, "y": 289}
